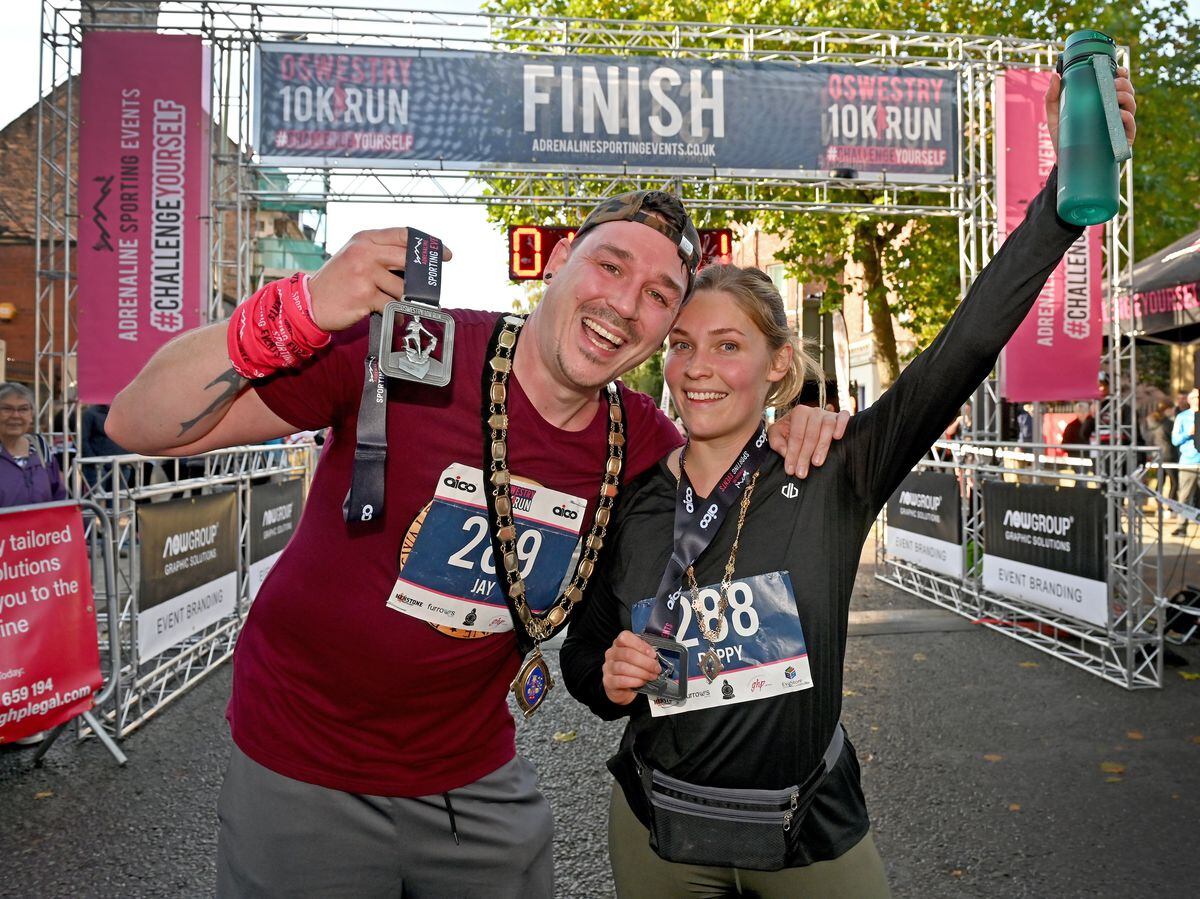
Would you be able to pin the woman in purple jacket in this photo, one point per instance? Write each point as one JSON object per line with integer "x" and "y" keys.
{"x": 27, "y": 473}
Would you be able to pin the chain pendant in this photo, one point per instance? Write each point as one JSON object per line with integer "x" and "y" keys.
{"x": 710, "y": 664}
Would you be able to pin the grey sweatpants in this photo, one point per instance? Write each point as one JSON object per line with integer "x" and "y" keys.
{"x": 282, "y": 837}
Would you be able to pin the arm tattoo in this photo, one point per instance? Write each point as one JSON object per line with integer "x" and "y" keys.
{"x": 233, "y": 384}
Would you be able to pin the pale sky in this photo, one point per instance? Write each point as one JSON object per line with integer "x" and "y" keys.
{"x": 476, "y": 278}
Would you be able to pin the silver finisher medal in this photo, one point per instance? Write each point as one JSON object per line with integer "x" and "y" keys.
{"x": 415, "y": 361}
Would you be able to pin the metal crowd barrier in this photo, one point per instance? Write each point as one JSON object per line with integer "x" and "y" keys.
{"x": 120, "y": 486}
{"x": 1125, "y": 650}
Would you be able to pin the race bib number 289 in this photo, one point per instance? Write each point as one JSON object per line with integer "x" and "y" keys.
{"x": 448, "y": 574}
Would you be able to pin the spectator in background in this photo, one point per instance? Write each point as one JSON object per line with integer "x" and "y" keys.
{"x": 96, "y": 442}
{"x": 1183, "y": 436}
{"x": 1025, "y": 424}
{"x": 28, "y": 473}
{"x": 1159, "y": 425}
{"x": 1080, "y": 428}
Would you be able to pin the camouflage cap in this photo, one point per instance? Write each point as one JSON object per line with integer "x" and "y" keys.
{"x": 631, "y": 207}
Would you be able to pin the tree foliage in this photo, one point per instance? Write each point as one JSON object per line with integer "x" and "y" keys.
{"x": 910, "y": 268}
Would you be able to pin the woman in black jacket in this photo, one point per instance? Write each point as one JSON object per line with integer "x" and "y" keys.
{"x": 749, "y": 785}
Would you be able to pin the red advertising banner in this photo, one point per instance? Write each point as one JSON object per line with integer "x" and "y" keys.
{"x": 143, "y": 200}
{"x": 49, "y": 658}
{"x": 1055, "y": 354}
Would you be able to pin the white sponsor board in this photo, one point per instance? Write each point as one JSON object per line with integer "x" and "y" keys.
{"x": 928, "y": 552}
{"x": 169, "y": 622}
{"x": 258, "y": 572}
{"x": 742, "y": 685}
{"x": 1057, "y": 591}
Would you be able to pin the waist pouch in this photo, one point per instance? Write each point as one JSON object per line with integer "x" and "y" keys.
{"x": 730, "y": 828}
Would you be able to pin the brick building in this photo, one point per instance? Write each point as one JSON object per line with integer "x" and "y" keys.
{"x": 18, "y": 250}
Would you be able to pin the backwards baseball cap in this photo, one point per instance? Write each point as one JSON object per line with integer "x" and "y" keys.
{"x": 658, "y": 210}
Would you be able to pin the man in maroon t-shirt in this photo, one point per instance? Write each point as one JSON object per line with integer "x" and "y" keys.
{"x": 374, "y": 751}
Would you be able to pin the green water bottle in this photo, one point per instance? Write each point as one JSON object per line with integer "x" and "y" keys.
{"x": 1091, "y": 137}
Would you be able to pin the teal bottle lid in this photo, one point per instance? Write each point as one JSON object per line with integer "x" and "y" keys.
{"x": 1084, "y": 44}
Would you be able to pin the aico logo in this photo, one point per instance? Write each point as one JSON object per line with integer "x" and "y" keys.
{"x": 564, "y": 512}
{"x": 708, "y": 516}
{"x": 454, "y": 482}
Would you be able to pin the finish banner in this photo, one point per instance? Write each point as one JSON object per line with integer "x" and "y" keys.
{"x": 1045, "y": 546}
{"x": 143, "y": 200}
{"x": 1055, "y": 354}
{"x": 924, "y": 522}
{"x": 274, "y": 512}
{"x": 49, "y": 657}
{"x": 189, "y": 551}
{"x": 416, "y": 108}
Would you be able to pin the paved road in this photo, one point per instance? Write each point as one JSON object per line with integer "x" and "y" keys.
{"x": 990, "y": 770}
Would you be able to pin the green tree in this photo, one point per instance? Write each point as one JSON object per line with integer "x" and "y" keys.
{"x": 909, "y": 268}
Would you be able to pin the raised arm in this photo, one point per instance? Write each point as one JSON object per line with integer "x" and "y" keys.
{"x": 189, "y": 399}
{"x": 885, "y": 441}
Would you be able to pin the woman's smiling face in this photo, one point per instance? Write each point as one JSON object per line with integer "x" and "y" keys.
{"x": 720, "y": 367}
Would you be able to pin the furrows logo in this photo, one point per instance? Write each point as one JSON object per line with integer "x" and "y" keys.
{"x": 104, "y": 241}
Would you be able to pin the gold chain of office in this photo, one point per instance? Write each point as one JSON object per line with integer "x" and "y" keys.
{"x": 541, "y": 626}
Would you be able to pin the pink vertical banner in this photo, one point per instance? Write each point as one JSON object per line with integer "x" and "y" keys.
{"x": 143, "y": 201}
{"x": 1055, "y": 354}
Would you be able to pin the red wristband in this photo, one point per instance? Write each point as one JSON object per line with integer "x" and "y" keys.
{"x": 274, "y": 329}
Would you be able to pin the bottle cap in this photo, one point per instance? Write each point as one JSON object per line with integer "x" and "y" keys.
{"x": 1083, "y": 45}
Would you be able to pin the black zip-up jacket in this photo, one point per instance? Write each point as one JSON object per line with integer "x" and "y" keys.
{"x": 814, "y": 529}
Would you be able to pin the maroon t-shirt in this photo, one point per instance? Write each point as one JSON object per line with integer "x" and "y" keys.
{"x": 332, "y": 687}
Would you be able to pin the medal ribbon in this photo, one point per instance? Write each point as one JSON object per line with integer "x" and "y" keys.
{"x": 422, "y": 284}
{"x": 696, "y": 524}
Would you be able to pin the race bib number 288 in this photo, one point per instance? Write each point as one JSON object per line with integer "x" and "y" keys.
{"x": 759, "y": 640}
{"x": 448, "y": 573}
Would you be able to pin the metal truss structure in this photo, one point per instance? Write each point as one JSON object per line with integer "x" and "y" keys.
{"x": 233, "y": 30}
{"x": 1126, "y": 651}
